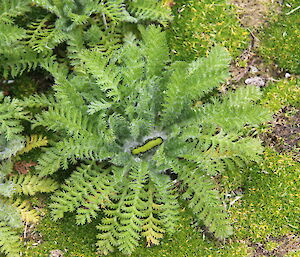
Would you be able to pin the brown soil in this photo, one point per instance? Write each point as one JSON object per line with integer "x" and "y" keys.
{"x": 284, "y": 136}
{"x": 30, "y": 234}
{"x": 253, "y": 13}
{"x": 287, "y": 244}
{"x": 254, "y": 67}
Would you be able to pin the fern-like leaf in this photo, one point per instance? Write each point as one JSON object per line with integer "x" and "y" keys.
{"x": 167, "y": 203}
{"x": 110, "y": 224}
{"x": 150, "y": 10}
{"x": 115, "y": 10}
{"x": 154, "y": 49}
{"x": 28, "y": 214}
{"x": 204, "y": 199}
{"x": 42, "y": 37}
{"x": 204, "y": 74}
{"x": 92, "y": 192}
{"x": 105, "y": 73}
{"x": 32, "y": 142}
{"x": 16, "y": 60}
{"x": 12, "y": 8}
{"x": 9, "y": 34}
{"x": 9, "y": 214}
{"x": 235, "y": 111}
{"x": 9, "y": 241}
{"x": 32, "y": 184}
{"x": 152, "y": 226}
{"x": 132, "y": 210}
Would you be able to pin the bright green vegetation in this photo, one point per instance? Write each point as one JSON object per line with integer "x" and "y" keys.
{"x": 280, "y": 38}
{"x": 198, "y": 25}
{"x": 34, "y": 31}
{"x": 285, "y": 92}
{"x": 271, "y": 205}
{"x": 122, "y": 126}
{"x": 65, "y": 234}
{"x": 108, "y": 106}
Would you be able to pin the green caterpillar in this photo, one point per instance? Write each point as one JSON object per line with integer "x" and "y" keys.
{"x": 147, "y": 146}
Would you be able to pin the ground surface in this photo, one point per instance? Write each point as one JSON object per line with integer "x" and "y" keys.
{"x": 265, "y": 211}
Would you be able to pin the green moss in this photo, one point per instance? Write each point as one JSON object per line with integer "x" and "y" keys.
{"x": 271, "y": 205}
{"x": 198, "y": 25}
{"x": 285, "y": 92}
{"x": 280, "y": 39}
{"x": 271, "y": 245}
{"x": 66, "y": 236}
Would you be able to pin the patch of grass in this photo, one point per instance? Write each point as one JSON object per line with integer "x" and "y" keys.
{"x": 198, "y": 25}
{"x": 270, "y": 206}
{"x": 280, "y": 38}
{"x": 285, "y": 92}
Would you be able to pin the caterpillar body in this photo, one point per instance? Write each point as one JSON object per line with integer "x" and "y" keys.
{"x": 147, "y": 146}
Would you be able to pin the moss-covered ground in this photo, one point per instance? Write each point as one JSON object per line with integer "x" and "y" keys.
{"x": 198, "y": 25}
{"x": 280, "y": 38}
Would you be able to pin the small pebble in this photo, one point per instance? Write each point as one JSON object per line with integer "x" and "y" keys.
{"x": 253, "y": 69}
{"x": 56, "y": 253}
{"x": 256, "y": 81}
